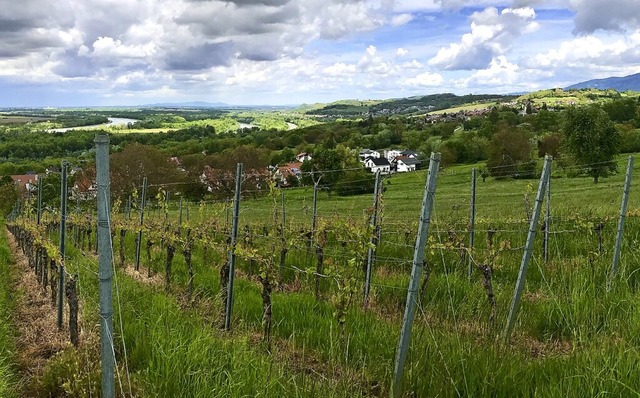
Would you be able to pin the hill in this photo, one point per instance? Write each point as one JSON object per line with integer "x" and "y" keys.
{"x": 624, "y": 83}
{"x": 404, "y": 106}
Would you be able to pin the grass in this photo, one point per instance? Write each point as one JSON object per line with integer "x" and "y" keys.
{"x": 7, "y": 372}
{"x": 572, "y": 337}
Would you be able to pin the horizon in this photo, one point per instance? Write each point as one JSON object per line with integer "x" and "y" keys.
{"x": 287, "y": 52}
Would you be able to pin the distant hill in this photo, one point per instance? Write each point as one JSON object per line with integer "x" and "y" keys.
{"x": 401, "y": 106}
{"x": 195, "y": 104}
{"x": 625, "y": 83}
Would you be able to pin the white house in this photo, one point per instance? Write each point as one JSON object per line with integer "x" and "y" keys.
{"x": 368, "y": 153}
{"x": 303, "y": 157}
{"x": 378, "y": 164}
{"x": 405, "y": 164}
{"x": 391, "y": 154}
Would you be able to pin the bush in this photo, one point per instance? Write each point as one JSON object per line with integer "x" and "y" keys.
{"x": 355, "y": 183}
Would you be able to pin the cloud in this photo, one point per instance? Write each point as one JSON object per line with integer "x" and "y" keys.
{"x": 592, "y": 15}
{"x": 401, "y": 52}
{"x": 339, "y": 69}
{"x": 401, "y": 19}
{"x": 425, "y": 79}
{"x": 492, "y": 34}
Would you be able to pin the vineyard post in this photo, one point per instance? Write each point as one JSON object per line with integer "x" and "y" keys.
{"x": 547, "y": 221}
{"x": 63, "y": 231}
{"x": 143, "y": 202}
{"x": 373, "y": 240}
{"x": 39, "y": 208}
{"x": 314, "y": 210}
{"x": 29, "y": 202}
{"x": 284, "y": 214}
{"x": 129, "y": 204}
{"x": 472, "y": 219}
{"x": 180, "y": 216}
{"x": 416, "y": 273}
{"x": 528, "y": 248}
{"x": 104, "y": 266}
{"x": 623, "y": 212}
{"x": 232, "y": 250}
{"x": 226, "y": 211}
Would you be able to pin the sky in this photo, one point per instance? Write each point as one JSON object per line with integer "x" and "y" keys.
{"x": 287, "y": 52}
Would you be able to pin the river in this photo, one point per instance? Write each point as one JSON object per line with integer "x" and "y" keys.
{"x": 113, "y": 121}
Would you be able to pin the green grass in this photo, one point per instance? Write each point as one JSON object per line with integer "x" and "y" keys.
{"x": 7, "y": 372}
{"x": 572, "y": 337}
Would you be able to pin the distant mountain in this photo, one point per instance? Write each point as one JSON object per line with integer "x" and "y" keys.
{"x": 195, "y": 104}
{"x": 625, "y": 83}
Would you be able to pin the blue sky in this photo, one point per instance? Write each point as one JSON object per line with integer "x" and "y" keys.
{"x": 129, "y": 52}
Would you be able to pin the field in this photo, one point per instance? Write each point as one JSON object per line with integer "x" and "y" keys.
{"x": 573, "y": 337}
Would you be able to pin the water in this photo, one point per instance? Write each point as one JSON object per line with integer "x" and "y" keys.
{"x": 113, "y": 121}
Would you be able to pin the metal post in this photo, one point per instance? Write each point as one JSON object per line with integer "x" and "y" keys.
{"x": 63, "y": 232}
{"x": 180, "y": 217}
{"x": 314, "y": 210}
{"x": 416, "y": 273}
{"x": 528, "y": 248}
{"x": 232, "y": 250}
{"x": 472, "y": 219}
{"x": 129, "y": 205}
{"x": 284, "y": 214}
{"x": 143, "y": 202}
{"x": 623, "y": 213}
{"x": 39, "y": 210}
{"x": 105, "y": 266}
{"x": 547, "y": 221}
{"x": 373, "y": 240}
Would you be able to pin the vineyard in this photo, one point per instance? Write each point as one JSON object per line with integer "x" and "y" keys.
{"x": 300, "y": 292}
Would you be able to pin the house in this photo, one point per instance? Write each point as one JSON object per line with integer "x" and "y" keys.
{"x": 391, "y": 154}
{"x": 368, "y": 153}
{"x": 84, "y": 188}
{"x": 409, "y": 153}
{"x": 284, "y": 175}
{"x": 25, "y": 181}
{"x": 378, "y": 164}
{"x": 405, "y": 164}
{"x": 303, "y": 157}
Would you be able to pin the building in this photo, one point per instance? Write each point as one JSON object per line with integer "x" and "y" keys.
{"x": 378, "y": 164}
{"x": 368, "y": 153}
{"x": 405, "y": 164}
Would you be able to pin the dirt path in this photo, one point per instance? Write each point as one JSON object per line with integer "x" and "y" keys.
{"x": 38, "y": 338}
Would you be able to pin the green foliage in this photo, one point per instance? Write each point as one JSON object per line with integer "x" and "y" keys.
{"x": 355, "y": 182}
{"x": 510, "y": 154}
{"x": 592, "y": 140}
{"x": 621, "y": 110}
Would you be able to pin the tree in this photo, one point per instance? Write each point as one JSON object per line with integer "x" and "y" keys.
{"x": 136, "y": 161}
{"x": 592, "y": 140}
{"x": 510, "y": 153}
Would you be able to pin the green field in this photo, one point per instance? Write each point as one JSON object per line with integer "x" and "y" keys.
{"x": 572, "y": 338}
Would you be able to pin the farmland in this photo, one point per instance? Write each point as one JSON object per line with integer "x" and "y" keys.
{"x": 570, "y": 331}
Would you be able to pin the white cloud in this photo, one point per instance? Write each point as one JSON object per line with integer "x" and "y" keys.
{"x": 401, "y": 19}
{"x": 425, "y": 79}
{"x": 401, "y": 52}
{"x": 492, "y": 34}
{"x": 339, "y": 69}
